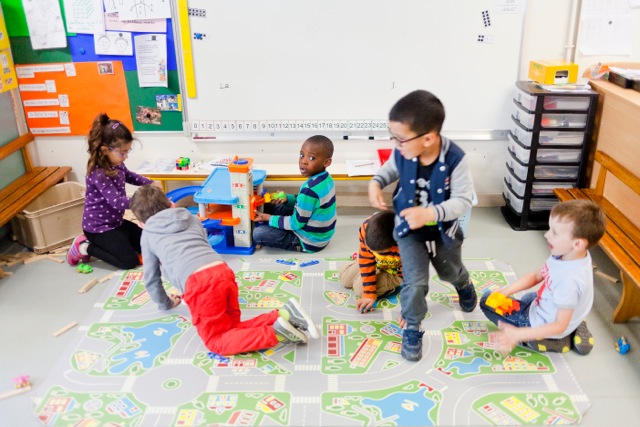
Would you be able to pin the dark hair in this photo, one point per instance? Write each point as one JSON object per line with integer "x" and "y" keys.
{"x": 324, "y": 143}
{"x": 589, "y": 220}
{"x": 105, "y": 133}
{"x": 148, "y": 201}
{"x": 421, "y": 110}
{"x": 379, "y": 235}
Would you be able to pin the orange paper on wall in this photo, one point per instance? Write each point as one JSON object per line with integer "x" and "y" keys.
{"x": 96, "y": 87}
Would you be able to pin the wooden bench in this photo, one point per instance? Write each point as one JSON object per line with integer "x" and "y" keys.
{"x": 621, "y": 241}
{"x": 27, "y": 187}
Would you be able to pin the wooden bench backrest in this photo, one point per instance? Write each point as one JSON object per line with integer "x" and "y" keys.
{"x": 610, "y": 166}
{"x": 607, "y": 164}
{"x": 19, "y": 144}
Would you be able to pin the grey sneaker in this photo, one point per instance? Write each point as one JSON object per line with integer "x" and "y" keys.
{"x": 412, "y": 345}
{"x": 300, "y": 319}
{"x": 582, "y": 339}
{"x": 467, "y": 298}
{"x": 287, "y": 334}
{"x": 559, "y": 345}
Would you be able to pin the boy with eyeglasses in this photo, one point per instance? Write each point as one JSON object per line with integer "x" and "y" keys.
{"x": 434, "y": 189}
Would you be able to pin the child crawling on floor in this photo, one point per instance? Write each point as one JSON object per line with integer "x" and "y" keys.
{"x": 175, "y": 239}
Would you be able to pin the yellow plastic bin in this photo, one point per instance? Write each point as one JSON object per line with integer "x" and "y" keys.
{"x": 52, "y": 220}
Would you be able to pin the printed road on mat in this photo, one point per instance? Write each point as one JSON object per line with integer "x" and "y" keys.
{"x": 134, "y": 365}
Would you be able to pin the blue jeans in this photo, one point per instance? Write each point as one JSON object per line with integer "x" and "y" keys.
{"x": 518, "y": 318}
{"x": 265, "y": 235}
{"x": 446, "y": 260}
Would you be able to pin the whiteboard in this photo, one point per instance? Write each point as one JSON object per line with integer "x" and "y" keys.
{"x": 274, "y": 68}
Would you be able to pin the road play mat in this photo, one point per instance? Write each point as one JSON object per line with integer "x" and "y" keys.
{"x": 133, "y": 365}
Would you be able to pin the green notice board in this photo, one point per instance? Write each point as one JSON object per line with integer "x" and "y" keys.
{"x": 23, "y": 54}
{"x": 146, "y": 96}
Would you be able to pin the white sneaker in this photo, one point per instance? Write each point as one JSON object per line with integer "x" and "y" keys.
{"x": 287, "y": 334}
{"x": 300, "y": 319}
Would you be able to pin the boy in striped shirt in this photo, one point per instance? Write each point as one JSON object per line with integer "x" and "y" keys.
{"x": 377, "y": 270}
{"x": 305, "y": 222}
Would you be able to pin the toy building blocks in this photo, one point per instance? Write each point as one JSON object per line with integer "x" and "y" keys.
{"x": 182, "y": 163}
{"x": 622, "y": 346}
{"x": 501, "y": 304}
{"x": 268, "y": 197}
{"x": 285, "y": 261}
{"x": 218, "y": 357}
{"x": 308, "y": 263}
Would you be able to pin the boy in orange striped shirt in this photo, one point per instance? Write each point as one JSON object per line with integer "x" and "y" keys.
{"x": 377, "y": 270}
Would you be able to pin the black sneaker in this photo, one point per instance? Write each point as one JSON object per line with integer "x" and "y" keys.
{"x": 412, "y": 345}
{"x": 467, "y": 298}
{"x": 559, "y": 345}
{"x": 582, "y": 339}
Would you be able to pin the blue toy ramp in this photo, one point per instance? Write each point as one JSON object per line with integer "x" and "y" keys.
{"x": 217, "y": 187}
{"x": 181, "y": 193}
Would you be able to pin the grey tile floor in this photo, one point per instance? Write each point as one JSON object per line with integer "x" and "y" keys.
{"x": 42, "y": 297}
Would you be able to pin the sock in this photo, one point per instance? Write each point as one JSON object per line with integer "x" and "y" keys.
{"x": 83, "y": 248}
{"x": 284, "y": 314}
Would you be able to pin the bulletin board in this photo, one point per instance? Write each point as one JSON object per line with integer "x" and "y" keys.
{"x": 42, "y": 85}
{"x": 323, "y": 63}
{"x": 119, "y": 102}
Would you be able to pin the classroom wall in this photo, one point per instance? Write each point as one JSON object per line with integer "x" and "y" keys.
{"x": 548, "y": 24}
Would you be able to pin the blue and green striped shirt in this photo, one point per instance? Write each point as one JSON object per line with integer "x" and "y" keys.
{"x": 314, "y": 213}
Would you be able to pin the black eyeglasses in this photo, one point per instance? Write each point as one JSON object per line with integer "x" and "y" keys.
{"x": 404, "y": 141}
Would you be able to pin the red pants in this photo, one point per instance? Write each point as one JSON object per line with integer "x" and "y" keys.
{"x": 212, "y": 297}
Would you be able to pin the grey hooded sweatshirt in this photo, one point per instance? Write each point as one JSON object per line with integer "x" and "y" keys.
{"x": 175, "y": 239}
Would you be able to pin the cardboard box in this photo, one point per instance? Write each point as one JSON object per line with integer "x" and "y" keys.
{"x": 52, "y": 220}
{"x": 553, "y": 72}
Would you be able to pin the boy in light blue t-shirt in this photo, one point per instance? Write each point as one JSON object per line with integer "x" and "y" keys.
{"x": 552, "y": 319}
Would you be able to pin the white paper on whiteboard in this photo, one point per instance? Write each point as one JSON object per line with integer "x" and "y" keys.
{"x": 44, "y": 19}
{"x": 151, "y": 58}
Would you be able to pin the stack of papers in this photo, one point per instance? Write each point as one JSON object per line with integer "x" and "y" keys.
{"x": 362, "y": 167}
{"x": 629, "y": 73}
{"x": 576, "y": 87}
{"x": 157, "y": 166}
{"x": 216, "y": 163}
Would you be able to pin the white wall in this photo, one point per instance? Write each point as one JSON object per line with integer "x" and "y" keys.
{"x": 548, "y": 24}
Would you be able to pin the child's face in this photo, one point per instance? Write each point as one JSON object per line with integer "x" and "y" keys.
{"x": 312, "y": 159}
{"x": 561, "y": 241}
{"x": 118, "y": 154}
{"x": 408, "y": 142}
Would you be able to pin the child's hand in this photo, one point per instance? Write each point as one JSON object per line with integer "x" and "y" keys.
{"x": 365, "y": 305}
{"x": 278, "y": 201}
{"x": 261, "y": 217}
{"x": 376, "y": 198}
{"x": 401, "y": 322}
{"x": 177, "y": 299}
{"x": 506, "y": 339}
{"x": 418, "y": 216}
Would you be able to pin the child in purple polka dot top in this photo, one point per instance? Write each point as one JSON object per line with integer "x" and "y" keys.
{"x": 107, "y": 235}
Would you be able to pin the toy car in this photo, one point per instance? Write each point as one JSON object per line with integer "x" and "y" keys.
{"x": 501, "y": 304}
{"x": 84, "y": 268}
